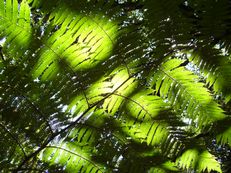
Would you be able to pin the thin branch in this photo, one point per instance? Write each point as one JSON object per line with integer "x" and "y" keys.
{"x": 33, "y": 106}
{"x": 38, "y": 111}
{"x": 14, "y": 138}
{"x": 126, "y": 66}
{"x": 135, "y": 103}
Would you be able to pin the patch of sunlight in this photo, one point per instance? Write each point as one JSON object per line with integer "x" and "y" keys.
{"x": 119, "y": 83}
{"x": 189, "y": 158}
{"x": 2, "y": 41}
{"x": 224, "y": 51}
{"x": 82, "y": 41}
{"x": 16, "y": 26}
{"x": 95, "y": 42}
{"x": 77, "y": 106}
{"x": 64, "y": 108}
{"x": 143, "y": 105}
{"x": 122, "y": 86}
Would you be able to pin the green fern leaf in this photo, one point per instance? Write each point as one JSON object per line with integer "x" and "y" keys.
{"x": 210, "y": 60}
{"x": 71, "y": 158}
{"x": 92, "y": 86}
{"x": 200, "y": 161}
{"x": 15, "y": 26}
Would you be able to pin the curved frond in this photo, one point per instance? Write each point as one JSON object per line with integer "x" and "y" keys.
{"x": 224, "y": 137}
{"x": 84, "y": 40}
{"x": 180, "y": 87}
{"x": 216, "y": 68}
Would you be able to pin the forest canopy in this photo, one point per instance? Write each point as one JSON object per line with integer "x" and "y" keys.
{"x": 127, "y": 86}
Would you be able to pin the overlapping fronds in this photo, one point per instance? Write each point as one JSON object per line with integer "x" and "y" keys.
{"x": 114, "y": 86}
{"x": 200, "y": 160}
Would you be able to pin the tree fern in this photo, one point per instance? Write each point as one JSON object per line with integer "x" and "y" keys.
{"x": 114, "y": 86}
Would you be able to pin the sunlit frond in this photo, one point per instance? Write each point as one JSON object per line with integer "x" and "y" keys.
{"x": 180, "y": 87}
{"x": 199, "y": 160}
{"x": 15, "y": 26}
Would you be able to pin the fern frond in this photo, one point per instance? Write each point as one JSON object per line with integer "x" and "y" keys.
{"x": 70, "y": 158}
{"x": 74, "y": 152}
{"x": 91, "y": 86}
{"x": 15, "y": 26}
{"x": 139, "y": 122}
{"x": 180, "y": 87}
{"x": 198, "y": 160}
{"x": 224, "y": 137}
{"x": 216, "y": 69}
{"x": 222, "y": 132}
{"x": 104, "y": 90}
{"x": 146, "y": 118}
{"x": 84, "y": 41}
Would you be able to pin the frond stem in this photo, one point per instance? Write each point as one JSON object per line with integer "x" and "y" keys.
{"x": 76, "y": 154}
{"x": 135, "y": 103}
{"x": 44, "y": 145}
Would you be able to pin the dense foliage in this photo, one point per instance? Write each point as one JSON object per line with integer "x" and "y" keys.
{"x": 115, "y": 86}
